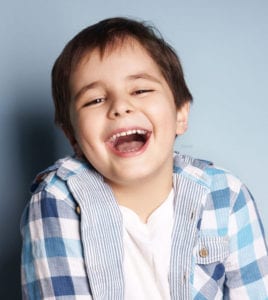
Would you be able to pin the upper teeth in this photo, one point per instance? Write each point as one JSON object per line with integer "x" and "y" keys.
{"x": 129, "y": 132}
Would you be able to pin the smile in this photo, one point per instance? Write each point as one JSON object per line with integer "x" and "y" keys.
{"x": 132, "y": 141}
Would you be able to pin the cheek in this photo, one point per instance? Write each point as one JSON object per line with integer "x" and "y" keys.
{"x": 166, "y": 116}
{"x": 160, "y": 111}
{"x": 83, "y": 132}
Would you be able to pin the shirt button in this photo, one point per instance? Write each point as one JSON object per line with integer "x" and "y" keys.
{"x": 203, "y": 252}
{"x": 184, "y": 277}
{"x": 78, "y": 210}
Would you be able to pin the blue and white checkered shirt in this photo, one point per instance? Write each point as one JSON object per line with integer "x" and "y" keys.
{"x": 72, "y": 236}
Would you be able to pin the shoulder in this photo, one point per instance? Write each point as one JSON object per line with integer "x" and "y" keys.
{"x": 225, "y": 194}
{"x": 206, "y": 173}
{"x": 53, "y": 179}
{"x": 50, "y": 192}
{"x": 51, "y": 196}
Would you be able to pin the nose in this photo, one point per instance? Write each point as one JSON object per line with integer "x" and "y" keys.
{"x": 118, "y": 114}
{"x": 120, "y": 108}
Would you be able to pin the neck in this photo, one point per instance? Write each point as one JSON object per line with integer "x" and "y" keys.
{"x": 143, "y": 198}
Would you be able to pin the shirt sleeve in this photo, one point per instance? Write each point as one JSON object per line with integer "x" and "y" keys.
{"x": 247, "y": 265}
{"x": 52, "y": 264}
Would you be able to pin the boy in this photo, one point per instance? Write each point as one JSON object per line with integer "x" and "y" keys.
{"x": 125, "y": 218}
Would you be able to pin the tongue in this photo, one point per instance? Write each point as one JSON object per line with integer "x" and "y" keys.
{"x": 129, "y": 143}
{"x": 129, "y": 146}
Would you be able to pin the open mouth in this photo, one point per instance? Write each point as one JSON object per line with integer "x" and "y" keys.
{"x": 129, "y": 141}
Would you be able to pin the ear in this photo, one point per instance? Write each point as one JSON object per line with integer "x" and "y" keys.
{"x": 182, "y": 118}
{"x": 70, "y": 136}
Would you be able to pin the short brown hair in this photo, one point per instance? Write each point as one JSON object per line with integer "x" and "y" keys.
{"x": 106, "y": 33}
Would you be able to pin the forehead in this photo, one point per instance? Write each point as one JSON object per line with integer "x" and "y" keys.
{"x": 123, "y": 58}
{"x": 119, "y": 47}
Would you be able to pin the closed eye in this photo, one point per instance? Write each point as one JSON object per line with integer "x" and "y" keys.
{"x": 94, "y": 102}
{"x": 143, "y": 91}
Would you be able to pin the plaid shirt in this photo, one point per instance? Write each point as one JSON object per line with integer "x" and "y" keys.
{"x": 72, "y": 236}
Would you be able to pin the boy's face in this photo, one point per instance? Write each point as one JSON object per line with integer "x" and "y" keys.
{"x": 124, "y": 115}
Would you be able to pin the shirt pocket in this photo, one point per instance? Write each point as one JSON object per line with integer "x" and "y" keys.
{"x": 211, "y": 249}
{"x": 210, "y": 254}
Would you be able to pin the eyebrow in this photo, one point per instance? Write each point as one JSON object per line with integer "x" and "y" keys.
{"x": 143, "y": 76}
{"x": 95, "y": 84}
{"x": 85, "y": 88}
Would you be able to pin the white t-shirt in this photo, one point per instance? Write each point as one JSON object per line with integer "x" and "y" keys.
{"x": 147, "y": 252}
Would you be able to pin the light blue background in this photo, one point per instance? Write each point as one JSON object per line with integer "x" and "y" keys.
{"x": 223, "y": 46}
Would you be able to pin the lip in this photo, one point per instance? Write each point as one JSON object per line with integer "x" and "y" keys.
{"x": 109, "y": 142}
